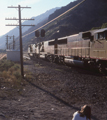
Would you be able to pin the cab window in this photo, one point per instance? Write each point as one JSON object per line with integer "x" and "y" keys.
{"x": 101, "y": 35}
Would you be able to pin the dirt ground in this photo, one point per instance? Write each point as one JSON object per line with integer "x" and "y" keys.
{"x": 55, "y": 92}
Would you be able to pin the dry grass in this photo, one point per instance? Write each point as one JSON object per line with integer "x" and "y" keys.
{"x": 11, "y": 81}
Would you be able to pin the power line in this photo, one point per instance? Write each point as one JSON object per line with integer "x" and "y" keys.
{"x": 56, "y": 18}
{"x": 20, "y": 32}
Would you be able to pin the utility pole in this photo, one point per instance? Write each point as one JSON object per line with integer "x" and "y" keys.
{"x": 8, "y": 40}
{"x": 13, "y": 43}
{"x": 20, "y": 32}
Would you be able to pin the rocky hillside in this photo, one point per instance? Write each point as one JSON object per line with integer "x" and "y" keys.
{"x": 91, "y": 13}
{"x": 15, "y": 31}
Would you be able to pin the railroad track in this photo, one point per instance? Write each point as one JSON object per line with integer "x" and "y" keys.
{"x": 79, "y": 69}
{"x": 2, "y": 56}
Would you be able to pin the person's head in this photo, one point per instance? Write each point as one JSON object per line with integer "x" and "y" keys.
{"x": 85, "y": 111}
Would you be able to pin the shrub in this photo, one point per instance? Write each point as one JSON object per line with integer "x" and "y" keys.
{"x": 5, "y": 74}
{"x": 5, "y": 65}
{"x": 16, "y": 67}
{"x": 11, "y": 70}
{"x": 104, "y": 25}
{"x": 17, "y": 74}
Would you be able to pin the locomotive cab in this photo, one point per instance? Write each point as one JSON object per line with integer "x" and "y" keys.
{"x": 86, "y": 35}
{"x": 98, "y": 48}
{"x": 101, "y": 35}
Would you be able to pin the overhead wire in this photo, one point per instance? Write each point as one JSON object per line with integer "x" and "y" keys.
{"x": 55, "y": 18}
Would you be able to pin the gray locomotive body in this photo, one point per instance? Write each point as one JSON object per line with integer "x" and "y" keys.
{"x": 84, "y": 49}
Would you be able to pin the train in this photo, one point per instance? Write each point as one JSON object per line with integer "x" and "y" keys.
{"x": 88, "y": 49}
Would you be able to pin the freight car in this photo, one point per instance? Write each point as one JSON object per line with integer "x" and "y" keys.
{"x": 84, "y": 49}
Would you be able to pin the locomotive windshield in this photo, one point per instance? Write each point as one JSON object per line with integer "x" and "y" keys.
{"x": 86, "y": 35}
{"x": 101, "y": 35}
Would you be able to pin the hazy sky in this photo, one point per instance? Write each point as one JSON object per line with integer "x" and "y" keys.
{"x": 37, "y": 7}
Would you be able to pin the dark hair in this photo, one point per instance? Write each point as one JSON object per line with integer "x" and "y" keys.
{"x": 85, "y": 111}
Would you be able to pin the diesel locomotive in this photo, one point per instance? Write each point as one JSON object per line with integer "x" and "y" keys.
{"x": 83, "y": 49}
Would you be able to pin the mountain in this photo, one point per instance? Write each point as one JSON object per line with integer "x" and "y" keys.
{"x": 15, "y": 31}
{"x": 91, "y": 13}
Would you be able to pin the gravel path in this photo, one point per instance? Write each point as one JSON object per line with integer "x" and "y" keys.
{"x": 55, "y": 92}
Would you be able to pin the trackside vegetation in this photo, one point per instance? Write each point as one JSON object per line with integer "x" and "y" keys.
{"x": 104, "y": 25}
{"x": 11, "y": 81}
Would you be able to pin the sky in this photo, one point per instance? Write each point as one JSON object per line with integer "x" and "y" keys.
{"x": 37, "y": 7}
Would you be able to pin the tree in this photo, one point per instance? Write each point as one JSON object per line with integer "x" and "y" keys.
{"x": 104, "y": 25}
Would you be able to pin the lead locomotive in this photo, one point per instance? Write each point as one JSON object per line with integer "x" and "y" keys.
{"x": 83, "y": 49}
